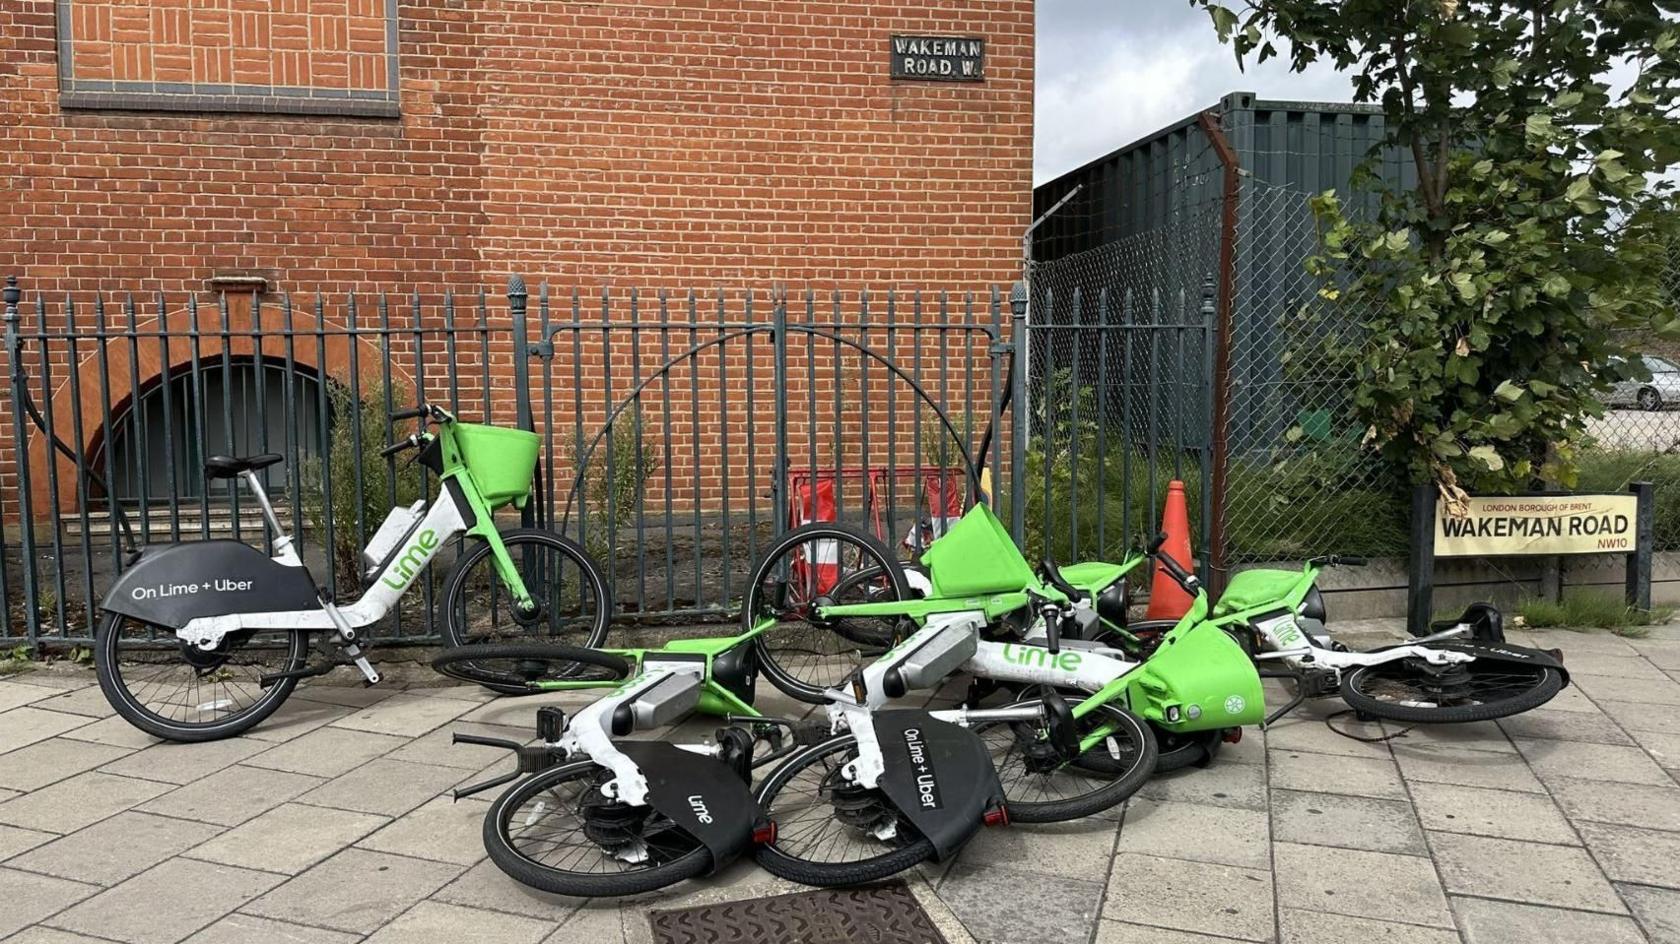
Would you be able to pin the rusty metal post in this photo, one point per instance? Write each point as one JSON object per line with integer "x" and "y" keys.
{"x": 1225, "y": 300}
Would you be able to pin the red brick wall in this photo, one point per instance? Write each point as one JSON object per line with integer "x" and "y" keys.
{"x": 661, "y": 144}
{"x": 677, "y": 143}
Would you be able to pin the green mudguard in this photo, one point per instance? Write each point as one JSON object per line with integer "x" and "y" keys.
{"x": 1198, "y": 680}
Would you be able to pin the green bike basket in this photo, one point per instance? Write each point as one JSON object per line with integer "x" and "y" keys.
{"x": 501, "y": 461}
{"x": 976, "y": 556}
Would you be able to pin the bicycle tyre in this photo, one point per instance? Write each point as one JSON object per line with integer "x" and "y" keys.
{"x": 521, "y": 868}
{"x": 528, "y": 665}
{"x": 781, "y": 676}
{"x": 1546, "y": 682}
{"x": 456, "y": 633}
{"x": 1186, "y": 750}
{"x": 824, "y": 874}
{"x": 1114, "y": 787}
{"x": 108, "y": 669}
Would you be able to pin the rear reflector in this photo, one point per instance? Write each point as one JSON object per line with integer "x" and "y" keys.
{"x": 996, "y": 816}
{"x": 1232, "y": 735}
{"x": 764, "y": 835}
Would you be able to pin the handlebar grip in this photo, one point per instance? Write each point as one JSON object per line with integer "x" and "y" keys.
{"x": 414, "y": 414}
{"x": 457, "y": 737}
{"x": 1186, "y": 579}
{"x": 1354, "y": 561}
{"x": 1160, "y": 539}
{"x": 398, "y": 446}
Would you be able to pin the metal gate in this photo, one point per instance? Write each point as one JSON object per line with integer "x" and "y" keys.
{"x": 1120, "y": 378}
{"x": 684, "y": 432}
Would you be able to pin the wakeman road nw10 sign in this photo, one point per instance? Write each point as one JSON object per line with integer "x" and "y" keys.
{"x": 1538, "y": 524}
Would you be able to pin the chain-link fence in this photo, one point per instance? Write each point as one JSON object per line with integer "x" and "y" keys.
{"x": 1122, "y": 381}
{"x": 1299, "y": 480}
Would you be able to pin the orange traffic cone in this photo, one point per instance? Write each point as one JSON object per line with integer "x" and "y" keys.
{"x": 1167, "y": 600}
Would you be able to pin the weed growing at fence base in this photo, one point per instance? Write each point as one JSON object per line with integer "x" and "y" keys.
{"x": 614, "y": 488}
{"x": 1285, "y": 507}
{"x": 1582, "y": 610}
{"x": 351, "y": 468}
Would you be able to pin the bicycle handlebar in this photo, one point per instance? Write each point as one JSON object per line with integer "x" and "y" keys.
{"x": 414, "y": 414}
{"x": 1189, "y": 581}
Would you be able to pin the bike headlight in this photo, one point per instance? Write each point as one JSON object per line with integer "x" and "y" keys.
{"x": 1111, "y": 602}
{"x": 1313, "y": 606}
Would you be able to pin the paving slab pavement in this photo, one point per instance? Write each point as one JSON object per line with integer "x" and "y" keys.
{"x": 331, "y": 823}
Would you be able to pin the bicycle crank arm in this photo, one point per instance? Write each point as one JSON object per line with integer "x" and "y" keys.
{"x": 529, "y": 760}
{"x": 1266, "y": 671}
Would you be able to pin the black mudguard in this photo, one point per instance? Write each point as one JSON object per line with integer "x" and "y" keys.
{"x": 176, "y": 583}
{"x": 1505, "y": 652}
{"x": 700, "y": 794}
{"x": 939, "y": 775}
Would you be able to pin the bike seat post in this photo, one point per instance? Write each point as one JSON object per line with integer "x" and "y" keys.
{"x": 282, "y": 540}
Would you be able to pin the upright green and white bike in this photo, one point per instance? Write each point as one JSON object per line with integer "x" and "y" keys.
{"x": 204, "y": 639}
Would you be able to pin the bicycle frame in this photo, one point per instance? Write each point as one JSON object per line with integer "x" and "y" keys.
{"x": 459, "y": 508}
{"x": 669, "y": 682}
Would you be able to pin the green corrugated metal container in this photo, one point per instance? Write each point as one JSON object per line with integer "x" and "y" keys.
{"x": 1170, "y": 185}
{"x": 1306, "y": 146}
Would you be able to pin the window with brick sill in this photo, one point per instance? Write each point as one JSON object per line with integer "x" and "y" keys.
{"x": 335, "y": 57}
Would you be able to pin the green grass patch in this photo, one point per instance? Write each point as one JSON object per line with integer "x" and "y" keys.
{"x": 1582, "y": 610}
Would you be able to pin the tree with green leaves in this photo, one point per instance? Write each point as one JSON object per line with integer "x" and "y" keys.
{"x": 1493, "y": 294}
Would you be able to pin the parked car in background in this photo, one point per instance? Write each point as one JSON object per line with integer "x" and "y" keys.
{"x": 1659, "y": 392}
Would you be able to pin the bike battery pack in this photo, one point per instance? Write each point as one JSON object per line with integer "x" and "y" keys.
{"x": 669, "y": 700}
{"x": 937, "y": 657}
{"x": 390, "y": 535}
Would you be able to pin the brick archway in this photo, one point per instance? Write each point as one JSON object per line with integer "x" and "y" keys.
{"x": 250, "y": 330}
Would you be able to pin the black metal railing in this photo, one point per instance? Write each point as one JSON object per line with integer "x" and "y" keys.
{"x": 681, "y": 432}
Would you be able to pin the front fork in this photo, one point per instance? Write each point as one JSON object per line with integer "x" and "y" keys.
{"x": 504, "y": 566}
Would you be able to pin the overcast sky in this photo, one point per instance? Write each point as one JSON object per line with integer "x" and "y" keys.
{"x": 1113, "y": 71}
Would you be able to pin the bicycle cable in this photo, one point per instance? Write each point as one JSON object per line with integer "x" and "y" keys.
{"x": 1360, "y": 737}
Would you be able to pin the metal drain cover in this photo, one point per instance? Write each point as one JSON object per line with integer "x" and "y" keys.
{"x": 885, "y": 914}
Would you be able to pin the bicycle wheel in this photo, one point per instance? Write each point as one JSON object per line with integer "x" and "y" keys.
{"x": 171, "y": 690}
{"x": 830, "y": 832}
{"x": 557, "y": 833}
{"x": 1415, "y": 692}
{"x": 818, "y": 565}
{"x": 570, "y": 593}
{"x": 521, "y": 668}
{"x": 1041, "y": 787}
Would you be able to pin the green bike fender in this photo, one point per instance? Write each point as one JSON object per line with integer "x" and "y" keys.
{"x": 1205, "y": 675}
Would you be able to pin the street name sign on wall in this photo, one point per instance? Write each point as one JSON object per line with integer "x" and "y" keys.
{"x": 1498, "y": 526}
{"x": 938, "y": 58}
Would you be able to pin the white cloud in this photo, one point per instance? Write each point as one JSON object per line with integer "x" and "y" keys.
{"x": 1110, "y": 73}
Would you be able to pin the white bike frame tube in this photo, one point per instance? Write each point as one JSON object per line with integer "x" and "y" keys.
{"x": 1083, "y": 669}
{"x": 1070, "y": 668}
{"x": 1286, "y": 642}
{"x": 441, "y": 523}
{"x": 589, "y": 735}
